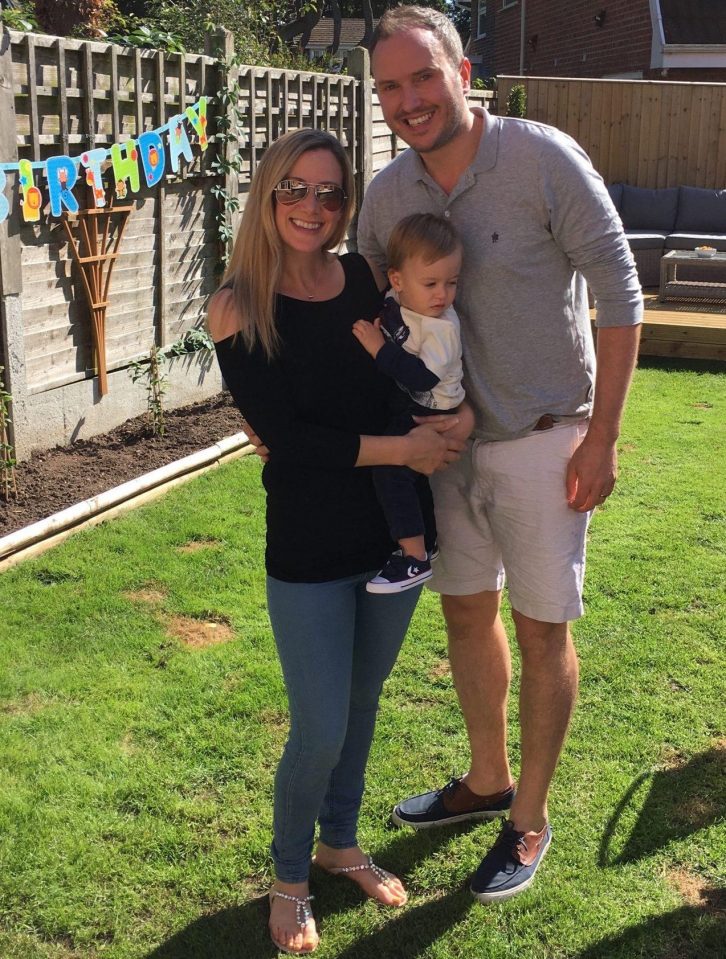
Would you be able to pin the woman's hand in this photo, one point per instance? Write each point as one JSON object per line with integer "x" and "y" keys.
{"x": 459, "y": 427}
{"x": 433, "y": 446}
{"x": 260, "y": 449}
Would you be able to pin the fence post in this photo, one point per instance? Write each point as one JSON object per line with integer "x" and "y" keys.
{"x": 12, "y": 345}
{"x": 359, "y": 66}
{"x": 219, "y": 43}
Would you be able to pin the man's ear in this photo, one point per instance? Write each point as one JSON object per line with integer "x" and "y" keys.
{"x": 465, "y": 74}
{"x": 394, "y": 278}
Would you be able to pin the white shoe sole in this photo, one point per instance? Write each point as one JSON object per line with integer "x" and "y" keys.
{"x": 508, "y": 893}
{"x": 450, "y": 820}
{"x": 393, "y": 588}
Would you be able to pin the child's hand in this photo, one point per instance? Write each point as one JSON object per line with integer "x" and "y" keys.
{"x": 369, "y": 335}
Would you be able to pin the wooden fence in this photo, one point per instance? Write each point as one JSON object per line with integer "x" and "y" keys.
{"x": 646, "y": 133}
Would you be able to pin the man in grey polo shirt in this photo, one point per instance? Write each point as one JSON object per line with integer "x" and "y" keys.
{"x": 536, "y": 223}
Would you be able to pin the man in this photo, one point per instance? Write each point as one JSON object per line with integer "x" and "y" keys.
{"x": 535, "y": 219}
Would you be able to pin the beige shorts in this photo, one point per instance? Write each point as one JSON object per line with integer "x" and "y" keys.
{"x": 502, "y": 509}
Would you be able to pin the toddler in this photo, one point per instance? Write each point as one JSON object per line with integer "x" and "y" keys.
{"x": 417, "y": 342}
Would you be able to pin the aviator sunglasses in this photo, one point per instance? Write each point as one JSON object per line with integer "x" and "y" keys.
{"x": 330, "y": 196}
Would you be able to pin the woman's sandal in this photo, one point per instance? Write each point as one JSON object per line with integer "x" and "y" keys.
{"x": 303, "y": 914}
{"x": 381, "y": 875}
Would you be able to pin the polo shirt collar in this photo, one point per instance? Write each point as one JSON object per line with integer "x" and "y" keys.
{"x": 486, "y": 154}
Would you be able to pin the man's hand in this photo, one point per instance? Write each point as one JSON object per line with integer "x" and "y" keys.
{"x": 260, "y": 449}
{"x": 369, "y": 335}
{"x": 591, "y": 472}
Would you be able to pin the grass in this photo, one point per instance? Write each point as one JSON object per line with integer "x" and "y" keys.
{"x": 142, "y": 713}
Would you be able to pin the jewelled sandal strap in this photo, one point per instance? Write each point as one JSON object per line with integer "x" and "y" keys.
{"x": 376, "y": 870}
{"x": 303, "y": 912}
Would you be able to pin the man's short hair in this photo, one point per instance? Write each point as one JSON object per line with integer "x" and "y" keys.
{"x": 403, "y": 18}
{"x": 421, "y": 234}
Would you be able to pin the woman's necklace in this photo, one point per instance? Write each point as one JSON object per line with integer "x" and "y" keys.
{"x": 300, "y": 287}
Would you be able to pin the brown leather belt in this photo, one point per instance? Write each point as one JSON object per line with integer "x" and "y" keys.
{"x": 545, "y": 422}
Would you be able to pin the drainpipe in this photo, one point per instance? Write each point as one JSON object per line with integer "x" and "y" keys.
{"x": 522, "y": 31}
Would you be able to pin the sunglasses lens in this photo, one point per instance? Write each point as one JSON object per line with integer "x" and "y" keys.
{"x": 331, "y": 197}
{"x": 289, "y": 192}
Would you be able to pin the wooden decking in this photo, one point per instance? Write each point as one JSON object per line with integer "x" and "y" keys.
{"x": 691, "y": 330}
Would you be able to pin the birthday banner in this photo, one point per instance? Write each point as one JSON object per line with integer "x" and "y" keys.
{"x": 129, "y": 160}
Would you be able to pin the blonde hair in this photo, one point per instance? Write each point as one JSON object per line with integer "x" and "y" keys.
{"x": 401, "y": 19}
{"x": 255, "y": 266}
{"x": 421, "y": 234}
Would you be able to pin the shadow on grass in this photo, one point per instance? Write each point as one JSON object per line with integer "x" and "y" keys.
{"x": 680, "y": 801}
{"x": 686, "y": 933}
{"x": 674, "y": 364}
{"x": 241, "y": 932}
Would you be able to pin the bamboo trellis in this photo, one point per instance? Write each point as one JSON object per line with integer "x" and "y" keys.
{"x": 95, "y": 251}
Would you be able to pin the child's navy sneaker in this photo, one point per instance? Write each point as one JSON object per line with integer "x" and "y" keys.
{"x": 399, "y": 573}
{"x": 509, "y": 866}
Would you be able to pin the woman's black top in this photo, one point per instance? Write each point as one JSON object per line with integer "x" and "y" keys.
{"x": 309, "y": 406}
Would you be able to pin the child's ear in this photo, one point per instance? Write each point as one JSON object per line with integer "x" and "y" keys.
{"x": 394, "y": 278}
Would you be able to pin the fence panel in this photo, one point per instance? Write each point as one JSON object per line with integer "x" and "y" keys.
{"x": 72, "y": 95}
{"x": 646, "y": 133}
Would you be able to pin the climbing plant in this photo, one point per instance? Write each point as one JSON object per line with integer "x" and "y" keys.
{"x": 228, "y": 118}
{"x": 8, "y": 487}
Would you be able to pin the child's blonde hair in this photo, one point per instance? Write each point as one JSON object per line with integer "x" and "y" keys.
{"x": 421, "y": 234}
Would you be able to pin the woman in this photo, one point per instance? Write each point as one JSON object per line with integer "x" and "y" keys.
{"x": 282, "y": 325}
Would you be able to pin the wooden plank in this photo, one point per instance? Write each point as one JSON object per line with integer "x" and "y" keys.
{"x": 115, "y": 127}
{"x": 160, "y": 225}
{"x": 33, "y": 98}
{"x": 138, "y": 94}
{"x": 62, "y": 95}
{"x": 88, "y": 107}
{"x": 11, "y": 280}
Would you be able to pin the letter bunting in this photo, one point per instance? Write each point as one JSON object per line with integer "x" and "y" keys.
{"x": 144, "y": 157}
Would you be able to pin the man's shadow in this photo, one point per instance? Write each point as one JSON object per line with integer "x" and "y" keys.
{"x": 681, "y": 800}
{"x": 691, "y": 932}
{"x": 241, "y": 932}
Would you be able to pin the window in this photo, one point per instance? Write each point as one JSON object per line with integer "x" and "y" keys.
{"x": 509, "y": 3}
{"x": 481, "y": 27}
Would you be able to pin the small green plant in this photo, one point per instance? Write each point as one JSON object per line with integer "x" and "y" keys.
{"x": 228, "y": 117}
{"x": 138, "y": 34}
{"x": 154, "y": 372}
{"x": 21, "y": 17}
{"x": 8, "y": 487}
{"x": 517, "y": 101}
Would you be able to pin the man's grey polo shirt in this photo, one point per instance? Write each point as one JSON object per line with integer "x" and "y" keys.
{"x": 531, "y": 211}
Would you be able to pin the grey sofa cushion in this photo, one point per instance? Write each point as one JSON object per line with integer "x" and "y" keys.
{"x": 701, "y": 211}
{"x": 646, "y": 241}
{"x": 616, "y": 194}
{"x": 689, "y": 241}
{"x": 653, "y": 210}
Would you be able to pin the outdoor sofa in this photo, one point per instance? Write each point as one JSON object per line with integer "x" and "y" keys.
{"x": 676, "y": 218}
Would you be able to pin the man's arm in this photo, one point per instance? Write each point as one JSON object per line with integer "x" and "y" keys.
{"x": 592, "y": 471}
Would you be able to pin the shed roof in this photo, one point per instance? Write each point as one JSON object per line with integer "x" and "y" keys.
{"x": 352, "y": 30}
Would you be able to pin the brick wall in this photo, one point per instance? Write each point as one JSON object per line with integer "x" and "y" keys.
{"x": 563, "y": 40}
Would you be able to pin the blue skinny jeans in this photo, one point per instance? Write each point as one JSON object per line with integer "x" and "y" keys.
{"x": 337, "y": 644}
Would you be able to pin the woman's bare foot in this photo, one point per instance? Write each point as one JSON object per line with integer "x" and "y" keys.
{"x": 292, "y": 926}
{"x": 375, "y": 882}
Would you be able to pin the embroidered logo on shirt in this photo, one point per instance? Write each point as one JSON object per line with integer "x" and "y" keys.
{"x": 495, "y": 237}
{"x": 392, "y": 322}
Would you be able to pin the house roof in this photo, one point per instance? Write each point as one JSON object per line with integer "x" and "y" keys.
{"x": 351, "y": 32}
{"x": 694, "y": 21}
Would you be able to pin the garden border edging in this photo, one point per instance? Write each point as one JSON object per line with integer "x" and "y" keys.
{"x": 38, "y": 537}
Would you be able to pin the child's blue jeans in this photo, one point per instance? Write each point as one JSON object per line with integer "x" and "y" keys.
{"x": 337, "y": 644}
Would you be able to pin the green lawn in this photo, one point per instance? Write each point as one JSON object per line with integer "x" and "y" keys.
{"x": 142, "y": 713}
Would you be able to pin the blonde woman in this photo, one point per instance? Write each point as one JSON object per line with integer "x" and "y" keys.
{"x": 282, "y": 324}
